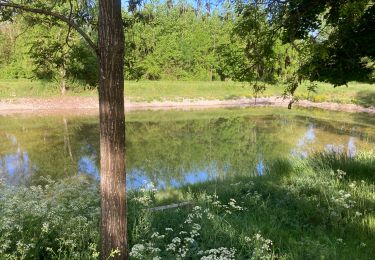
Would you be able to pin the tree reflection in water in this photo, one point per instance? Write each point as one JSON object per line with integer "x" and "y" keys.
{"x": 175, "y": 148}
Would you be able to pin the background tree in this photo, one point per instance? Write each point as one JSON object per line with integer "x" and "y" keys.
{"x": 51, "y": 50}
{"x": 182, "y": 40}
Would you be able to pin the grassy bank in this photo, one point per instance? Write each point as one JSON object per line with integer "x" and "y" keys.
{"x": 356, "y": 93}
{"x": 317, "y": 208}
{"x": 24, "y": 88}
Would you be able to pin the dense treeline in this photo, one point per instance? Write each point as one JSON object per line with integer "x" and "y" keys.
{"x": 164, "y": 40}
{"x": 195, "y": 40}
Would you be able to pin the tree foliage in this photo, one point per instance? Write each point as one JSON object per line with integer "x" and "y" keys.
{"x": 163, "y": 40}
{"x": 51, "y": 48}
{"x": 342, "y": 33}
{"x": 269, "y": 40}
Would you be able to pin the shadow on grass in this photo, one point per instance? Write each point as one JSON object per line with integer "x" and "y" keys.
{"x": 365, "y": 98}
{"x": 302, "y": 226}
{"x": 294, "y": 206}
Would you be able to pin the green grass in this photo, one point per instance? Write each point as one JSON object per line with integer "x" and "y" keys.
{"x": 356, "y": 93}
{"x": 23, "y": 88}
{"x": 177, "y": 90}
{"x": 317, "y": 208}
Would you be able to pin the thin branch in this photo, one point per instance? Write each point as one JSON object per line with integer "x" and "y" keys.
{"x": 55, "y": 15}
{"x": 70, "y": 27}
{"x": 21, "y": 33}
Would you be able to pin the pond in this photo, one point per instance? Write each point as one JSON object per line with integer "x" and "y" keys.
{"x": 174, "y": 148}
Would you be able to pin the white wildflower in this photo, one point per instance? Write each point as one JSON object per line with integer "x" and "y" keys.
{"x": 210, "y": 216}
{"x": 189, "y": 240}
{"x": 221, "y": 253}
{"x": 176, "y": 240}
{"x": 45, "y": 227}
{"x": 137, "y": 251}
{"x": 157, "y": 235}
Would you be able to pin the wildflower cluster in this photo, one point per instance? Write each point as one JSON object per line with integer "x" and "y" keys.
{"x": 343, "y": 200}
{"x": 340, "y": 205}
{"x": 229, "y": 208}
{"x": 139, "y": 204}
{"x": 339, "y": 174}
{"x": 147, "y": 194}
{"x": 180, "y": 246}
{"x": 221, "y": 253}
{"x": 58, "y": 220}
{"x": 185, "y": 244}
{"x": 261, "y": 247}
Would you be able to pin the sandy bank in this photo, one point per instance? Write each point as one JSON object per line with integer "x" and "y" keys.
{"x": 89, "y": 105}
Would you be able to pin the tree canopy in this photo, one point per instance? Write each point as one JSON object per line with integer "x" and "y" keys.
{"x": 182, "y": 40}
{"x": 342, "y": 33}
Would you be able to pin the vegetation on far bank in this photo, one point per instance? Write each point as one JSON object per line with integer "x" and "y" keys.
{"x": 356, "y": 93}
{"x": 321, "y": 207}
{"x": 183, "y": 40}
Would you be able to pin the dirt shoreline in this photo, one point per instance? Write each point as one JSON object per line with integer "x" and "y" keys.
{"x": 89, "y": 105}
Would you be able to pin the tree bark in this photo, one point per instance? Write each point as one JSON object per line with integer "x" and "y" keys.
{"x": 112, "y": 130}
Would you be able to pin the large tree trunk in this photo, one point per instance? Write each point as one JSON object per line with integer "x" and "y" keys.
{"x": 112, "y": 130}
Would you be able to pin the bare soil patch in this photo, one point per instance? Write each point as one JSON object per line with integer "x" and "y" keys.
{"x": 89, "y": 105}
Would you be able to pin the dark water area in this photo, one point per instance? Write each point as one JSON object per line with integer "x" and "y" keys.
{"x": 174, "y": 148}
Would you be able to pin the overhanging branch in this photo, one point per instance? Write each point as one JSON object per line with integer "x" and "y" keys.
{"x": 58, "y": 16}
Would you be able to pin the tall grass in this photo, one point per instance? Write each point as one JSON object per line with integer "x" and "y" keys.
{"x": 322, "y": 207}
{"x": 360, "y": 167}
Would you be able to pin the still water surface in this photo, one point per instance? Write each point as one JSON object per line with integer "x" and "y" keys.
{"x": 174, "y": 148}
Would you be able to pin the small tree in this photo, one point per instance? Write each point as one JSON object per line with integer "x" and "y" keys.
{"x": 258, "y": 88}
